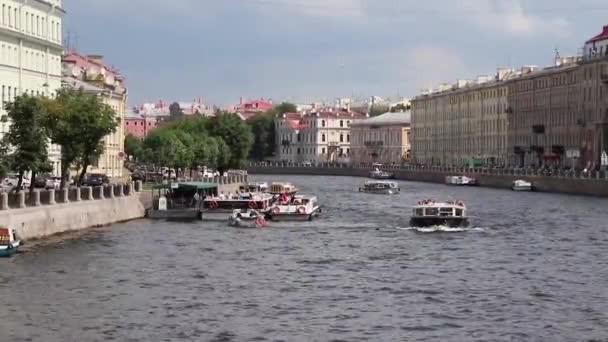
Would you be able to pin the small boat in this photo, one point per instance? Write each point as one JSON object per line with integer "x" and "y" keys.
{"x": 378, "y": 174}
{"x": 280, "y": 188}
{"x": 522, "y": 185}
{"x": 429, "y": 213}
{"x": 380, "y": 187}
{"x": 299, "y": 208}
{"x": 255, "y": 187}
{"x": 460, "y": 180}
{"x": 9, "y": 244}
{"x": 180, "y": 201}
{"x": 247, "y": 218}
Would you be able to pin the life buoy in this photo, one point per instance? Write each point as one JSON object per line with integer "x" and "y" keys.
{"x": 252, "y": 205}
{"x": 301, "y": 210}
{"x": 213, "y": 205}
{"x": 260, "y": 222}
{"x": 276, "y": 210}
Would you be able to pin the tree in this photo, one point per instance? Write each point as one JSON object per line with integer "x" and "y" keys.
{"x": 237, "y": 136}
{"x": 263, "y": 128}
{"x": 27, "y": 138}
{"x": 175, "y": 111}
{"x": 78, "y": 122}
{"x": 133, "y": 147}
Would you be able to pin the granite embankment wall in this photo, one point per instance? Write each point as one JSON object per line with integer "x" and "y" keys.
{"x": 46, "y": 213}
{"x": 576, "y": 186}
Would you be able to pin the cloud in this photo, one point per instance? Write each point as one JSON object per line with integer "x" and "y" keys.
{"x": 427, "y": 66}
{"x": 510, "y": 17}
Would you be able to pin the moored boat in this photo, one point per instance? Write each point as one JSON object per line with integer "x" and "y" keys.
{"x": 180, "y": 201}
{"x": 222, "y": 206}
{"x": 298, "y": 208}
{"x": 255, "y": 187}
{"x": 522, "y": 185}
{"x": 429, "y": 213}
{"x": 9, "y": 244}
{"x": 378, "y": 174}
{"x": 280, "y": 188}
{"x": 247, "y": 218}
{"x": 380, "y": 187}
{"x": 460, "y": 180}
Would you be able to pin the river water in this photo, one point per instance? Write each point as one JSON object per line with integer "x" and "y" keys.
{"x": 533, "y": 267}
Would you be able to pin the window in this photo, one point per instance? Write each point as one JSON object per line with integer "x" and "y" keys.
{"x": 341, "y": 123}
{"x": 348, "y": 138}
{"x": 323, "y": 150}
{"x": 341, "y": 137}
{"x": 323, "y": 138}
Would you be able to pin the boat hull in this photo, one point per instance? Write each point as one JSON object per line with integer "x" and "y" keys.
{"x": 380, "y": 192}
{"x": 453, "y": 222}
{"x": 294, "y": 217}
{"x": 389, "y": 176}
{"x": 522, "y": 188}
{"x": 175, "y": 214}
{"x": 6, "y": 252}
{"x": 240, "y": 223}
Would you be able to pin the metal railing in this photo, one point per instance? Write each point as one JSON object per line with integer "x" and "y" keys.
{"x": 449, "y": 170}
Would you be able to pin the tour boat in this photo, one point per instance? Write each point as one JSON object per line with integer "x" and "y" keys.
{"x": 255, "y": 187}
{"x": 247, "y": 218}
{"x": 377, "y": 174}
{"x": 298, "y": 208}
{"x": 380, "y": 187}
{"x": 222, "y": 206}
{"x": 460, "y": 180}
{"x": 9, "y": 244}
{"x": 429, "y": 213}
{"x": 522, "y": 185}
{"x": 280, "y": 188}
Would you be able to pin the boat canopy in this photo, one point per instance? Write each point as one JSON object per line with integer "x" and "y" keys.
{"x": 193, "y": 186}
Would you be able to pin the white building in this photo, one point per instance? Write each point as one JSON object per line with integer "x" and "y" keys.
{"x": 30, "y": 54}
{"x": 316, "y": 136}
{"x": 598, "y": 45}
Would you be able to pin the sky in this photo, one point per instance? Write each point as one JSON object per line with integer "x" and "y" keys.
{"x": 313, "y": 50}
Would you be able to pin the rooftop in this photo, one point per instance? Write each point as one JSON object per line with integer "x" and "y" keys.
{"x": 599, "y": 37}
{"x": 386, "y": 119}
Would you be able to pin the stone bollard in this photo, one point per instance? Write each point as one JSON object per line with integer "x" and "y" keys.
{"x": 4, "y": 201}
{"x": 101, "y": 194}
{"x": 78, "y": 195}
{"x": 89, "y": 195}
{"x": 65, "y": 195}
{"x": 138, "y": 186}
{"x": 35, "y": 200}
{"x": 21, "y": 199}
{"x": 112, "y": 191}
{"x": 121, "y": 190}
{"x": 51, "y": 194}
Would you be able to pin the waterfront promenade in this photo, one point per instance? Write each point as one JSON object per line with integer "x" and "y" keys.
{"x": 568, "y": 182}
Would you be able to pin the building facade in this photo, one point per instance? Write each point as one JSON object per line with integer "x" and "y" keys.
{"x": 319, "y": 136}
{"x": 383, "y": 139}
{"x": 462, "y": 124}
{"x": 140, "y": 126}
{"x": 30, "y": 55}
{"x": 92, "y": 75}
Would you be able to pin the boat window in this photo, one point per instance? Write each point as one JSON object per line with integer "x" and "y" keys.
{"x": 458, "y": 212}
{"x": 419, "y": 212}
{"x": 431, "y": 211}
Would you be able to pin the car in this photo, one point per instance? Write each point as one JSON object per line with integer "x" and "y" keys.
{"x": 53, "y": 183}
{"x": 12, "y": 180}
{"x": 307, "y": 163}
{"x": 96, "y": 179}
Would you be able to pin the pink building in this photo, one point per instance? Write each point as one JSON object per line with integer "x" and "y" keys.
{"x": 140, "y": 126}
{"x": 249, "y": 109}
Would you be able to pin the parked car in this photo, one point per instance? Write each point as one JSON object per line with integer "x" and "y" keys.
{"x": 306, "y": 163}
{"x": 53, "y": 183}
{"x": 96, "y": 179}
{"x": 138, "y": 176}
{"x": 12, "y": 180}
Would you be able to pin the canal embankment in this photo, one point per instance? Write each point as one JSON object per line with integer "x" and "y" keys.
{"x": 590, "y": 185}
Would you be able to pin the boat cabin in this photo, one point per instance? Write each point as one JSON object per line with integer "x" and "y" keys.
{"x": 380, "y": 185}
{"x": 433, "y": 209}
{"x": 182, "y": 195}
{"x": 254, "y": 187}
{"x": 277, "y": 188}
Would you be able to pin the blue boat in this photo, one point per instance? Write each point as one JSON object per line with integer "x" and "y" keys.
{"x": 8, "y": 242}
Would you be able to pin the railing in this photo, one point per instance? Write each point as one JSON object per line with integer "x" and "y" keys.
{"x": 523, "y": 172}
{"x": 26, "y": 199}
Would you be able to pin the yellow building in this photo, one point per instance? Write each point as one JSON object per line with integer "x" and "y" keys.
{"x": 382, "y": 139}
{"x": 90, "y": 74}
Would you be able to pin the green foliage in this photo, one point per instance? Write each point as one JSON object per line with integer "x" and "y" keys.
{"x": 78, "y": 122}
{"x": 175, "y": 111}
{"x": 263, "y": 128}
{"x": 222, "y": 142}
{"x": 27, "y": 137}
{"x": 134, "y": 147}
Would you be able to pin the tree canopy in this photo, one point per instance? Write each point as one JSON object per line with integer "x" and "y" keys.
{"x": 263, "y": 128}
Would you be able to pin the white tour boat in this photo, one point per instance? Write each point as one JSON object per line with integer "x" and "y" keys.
{"x": 247, "y": 218}
{"x": 378, "y": 174}
{"x": 280, "y": 188}
{"x": 380, "y": 187}
{"x": 222, "y": 206}
{"x": 298, "y": 208}
{"x": 254, "y": 187}
{"x": 460, "y": 180}
{"x": 522, "y": 185}
{"x": 429, "y": 213}
{"x": 9, "y": 244}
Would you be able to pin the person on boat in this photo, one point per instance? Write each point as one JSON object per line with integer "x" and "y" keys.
{"x": 285, "y": 198}
{"x": 196, "y": 199}
{"x": 222, "y": 196}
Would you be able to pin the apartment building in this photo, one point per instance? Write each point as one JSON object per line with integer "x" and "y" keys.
{"x": 30, "y": 55}
{"x": 319, "y": 136}
{"x": 383, "y": 139}
{"x": 93, "y": 76}
{"x": 462, "y": 124}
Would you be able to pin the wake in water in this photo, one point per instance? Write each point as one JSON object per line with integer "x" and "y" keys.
{"x": 444, "y": 229}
